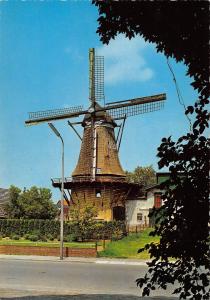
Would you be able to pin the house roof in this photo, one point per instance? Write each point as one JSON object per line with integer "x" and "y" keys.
{"x": 4, "y": 195}
{"x": 4, "y": 198}
{"x": 152, "y": 187}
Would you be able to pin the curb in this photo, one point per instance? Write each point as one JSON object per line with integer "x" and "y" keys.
{"x": 75, "y": 259}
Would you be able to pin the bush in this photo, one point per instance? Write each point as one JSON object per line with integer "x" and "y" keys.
{"x": 43, "y": 238}
{"x": 64, "y": 239}
{"x": 15, "y": 237}
{"x": 71, "y": 238}
{"x": 33, "y": 237}
{"x": 51, "y": 229}
{"x": 26, "y": 236}
{"x": 50, "y": 237}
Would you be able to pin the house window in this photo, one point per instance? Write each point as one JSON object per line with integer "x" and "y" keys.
{"x": 157, "y": 201}
{"x": 98, "y": 193}
{"x": 98, "y": 170}
{"x": 139, "y": 216}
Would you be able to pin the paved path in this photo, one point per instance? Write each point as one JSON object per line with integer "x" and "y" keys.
{"x": 106, "y": 261}
{"x": 48, "y": 278}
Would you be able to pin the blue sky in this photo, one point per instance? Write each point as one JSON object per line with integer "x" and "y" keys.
{"x": 44, "y": 65}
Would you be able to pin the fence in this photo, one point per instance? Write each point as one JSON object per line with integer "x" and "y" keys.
{"x": 136, "y": 228}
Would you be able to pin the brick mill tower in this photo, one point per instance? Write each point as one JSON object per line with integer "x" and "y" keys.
{"x": 98, "y": 178}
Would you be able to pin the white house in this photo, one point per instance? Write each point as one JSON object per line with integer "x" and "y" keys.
{"x": 137, "y": 210}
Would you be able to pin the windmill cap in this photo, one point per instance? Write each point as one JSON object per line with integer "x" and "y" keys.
{"x": 100, "y": 114}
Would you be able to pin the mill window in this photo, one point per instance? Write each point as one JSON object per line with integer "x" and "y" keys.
{"x": 98, "y": 193}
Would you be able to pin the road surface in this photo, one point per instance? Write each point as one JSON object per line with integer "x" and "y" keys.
{"x": 23, "y": 279}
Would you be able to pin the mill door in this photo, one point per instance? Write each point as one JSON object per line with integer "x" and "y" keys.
{"x": 119, "y": 213}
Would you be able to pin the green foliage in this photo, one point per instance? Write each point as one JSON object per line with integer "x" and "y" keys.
{"x": 143, "y": 175}
{"x": 13, "y": 209}
{"x": 84, "y": 218}
{"x": 50, "y": 229}
{"x": 50, "y": 237}
{"x": 34, "y": 203}
{"x": 43, "y": 238}
{"x": 33, "y": 237}
{"x": 15, "y": 237}
{"x": 26, "y": 236}
{"x": 183, "y": 228}
{"x": 71, "y": 238}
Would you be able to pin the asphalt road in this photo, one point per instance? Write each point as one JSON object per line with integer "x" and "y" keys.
{"x": 47, "y": 280}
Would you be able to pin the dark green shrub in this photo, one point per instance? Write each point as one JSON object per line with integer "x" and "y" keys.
{"x": 15, "y": 237}
{"x": 33, "y": 237}
{"x": 71, "y": 238}
{"x": 65, "y": 239}
{"x": 43, "y": 238}
{"x": 26, "y": 236}
{"x": 93, "y": 231}
{"x": 50, "y": 237}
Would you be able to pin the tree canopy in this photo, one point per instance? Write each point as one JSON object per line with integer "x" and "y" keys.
{"x": 34, "y": 203}
{"x": 180, "y": 30}
{"x": 142, "y": 175}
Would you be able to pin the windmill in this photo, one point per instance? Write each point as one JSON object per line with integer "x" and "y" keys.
{"x": 98, "y": 178}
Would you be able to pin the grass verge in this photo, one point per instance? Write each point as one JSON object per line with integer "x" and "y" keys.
{"x": 128, "y": 247}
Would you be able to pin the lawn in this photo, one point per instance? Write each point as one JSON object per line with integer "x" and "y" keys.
{"x": 128, "y": 246}
{"x": 46, "y": 244}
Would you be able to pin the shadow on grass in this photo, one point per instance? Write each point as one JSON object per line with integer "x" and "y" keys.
{"x": 89, "y": 297}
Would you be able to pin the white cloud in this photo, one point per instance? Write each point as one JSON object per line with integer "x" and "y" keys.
{"x": 124, "y": 60}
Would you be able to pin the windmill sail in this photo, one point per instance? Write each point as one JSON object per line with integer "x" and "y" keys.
{"x": 96, "y": 77}
{"x": 132, "y": 107}
{"x": 54, "y": 114}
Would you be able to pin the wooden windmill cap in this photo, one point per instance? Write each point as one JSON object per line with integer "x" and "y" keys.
{"x": 99, "y": 115}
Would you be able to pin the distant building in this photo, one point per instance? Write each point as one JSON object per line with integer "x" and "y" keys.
{"x": 137, "y": 209}
{"x": 4, "y": 198}
{"x": 66, "y": 208}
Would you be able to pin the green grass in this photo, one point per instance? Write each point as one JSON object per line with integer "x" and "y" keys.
{"x": 128, "y": 246}
{"x": 46, "y": 244}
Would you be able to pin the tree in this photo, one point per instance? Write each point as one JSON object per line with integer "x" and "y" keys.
{"x": 143, "y": 175}
{"x": 84, "y": 218}
{"x": 12, "y": 208}
{"x": 180, "y": 30}
{"x": 34, "y": 203}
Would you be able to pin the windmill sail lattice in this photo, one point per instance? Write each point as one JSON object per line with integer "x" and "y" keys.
{"x": 99, "y": 78}
{"x": 54, "y": 112}
{"x": 136, "y": 106}
{"x": 96, "y": 76}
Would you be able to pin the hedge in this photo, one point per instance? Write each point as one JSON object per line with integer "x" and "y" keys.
{"x": 95, "y": 230}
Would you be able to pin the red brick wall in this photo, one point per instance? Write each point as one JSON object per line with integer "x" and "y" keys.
{"x": 47, "y": 251}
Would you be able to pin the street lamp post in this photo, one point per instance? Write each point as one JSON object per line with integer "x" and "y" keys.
{"x": 62, "y": 189}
